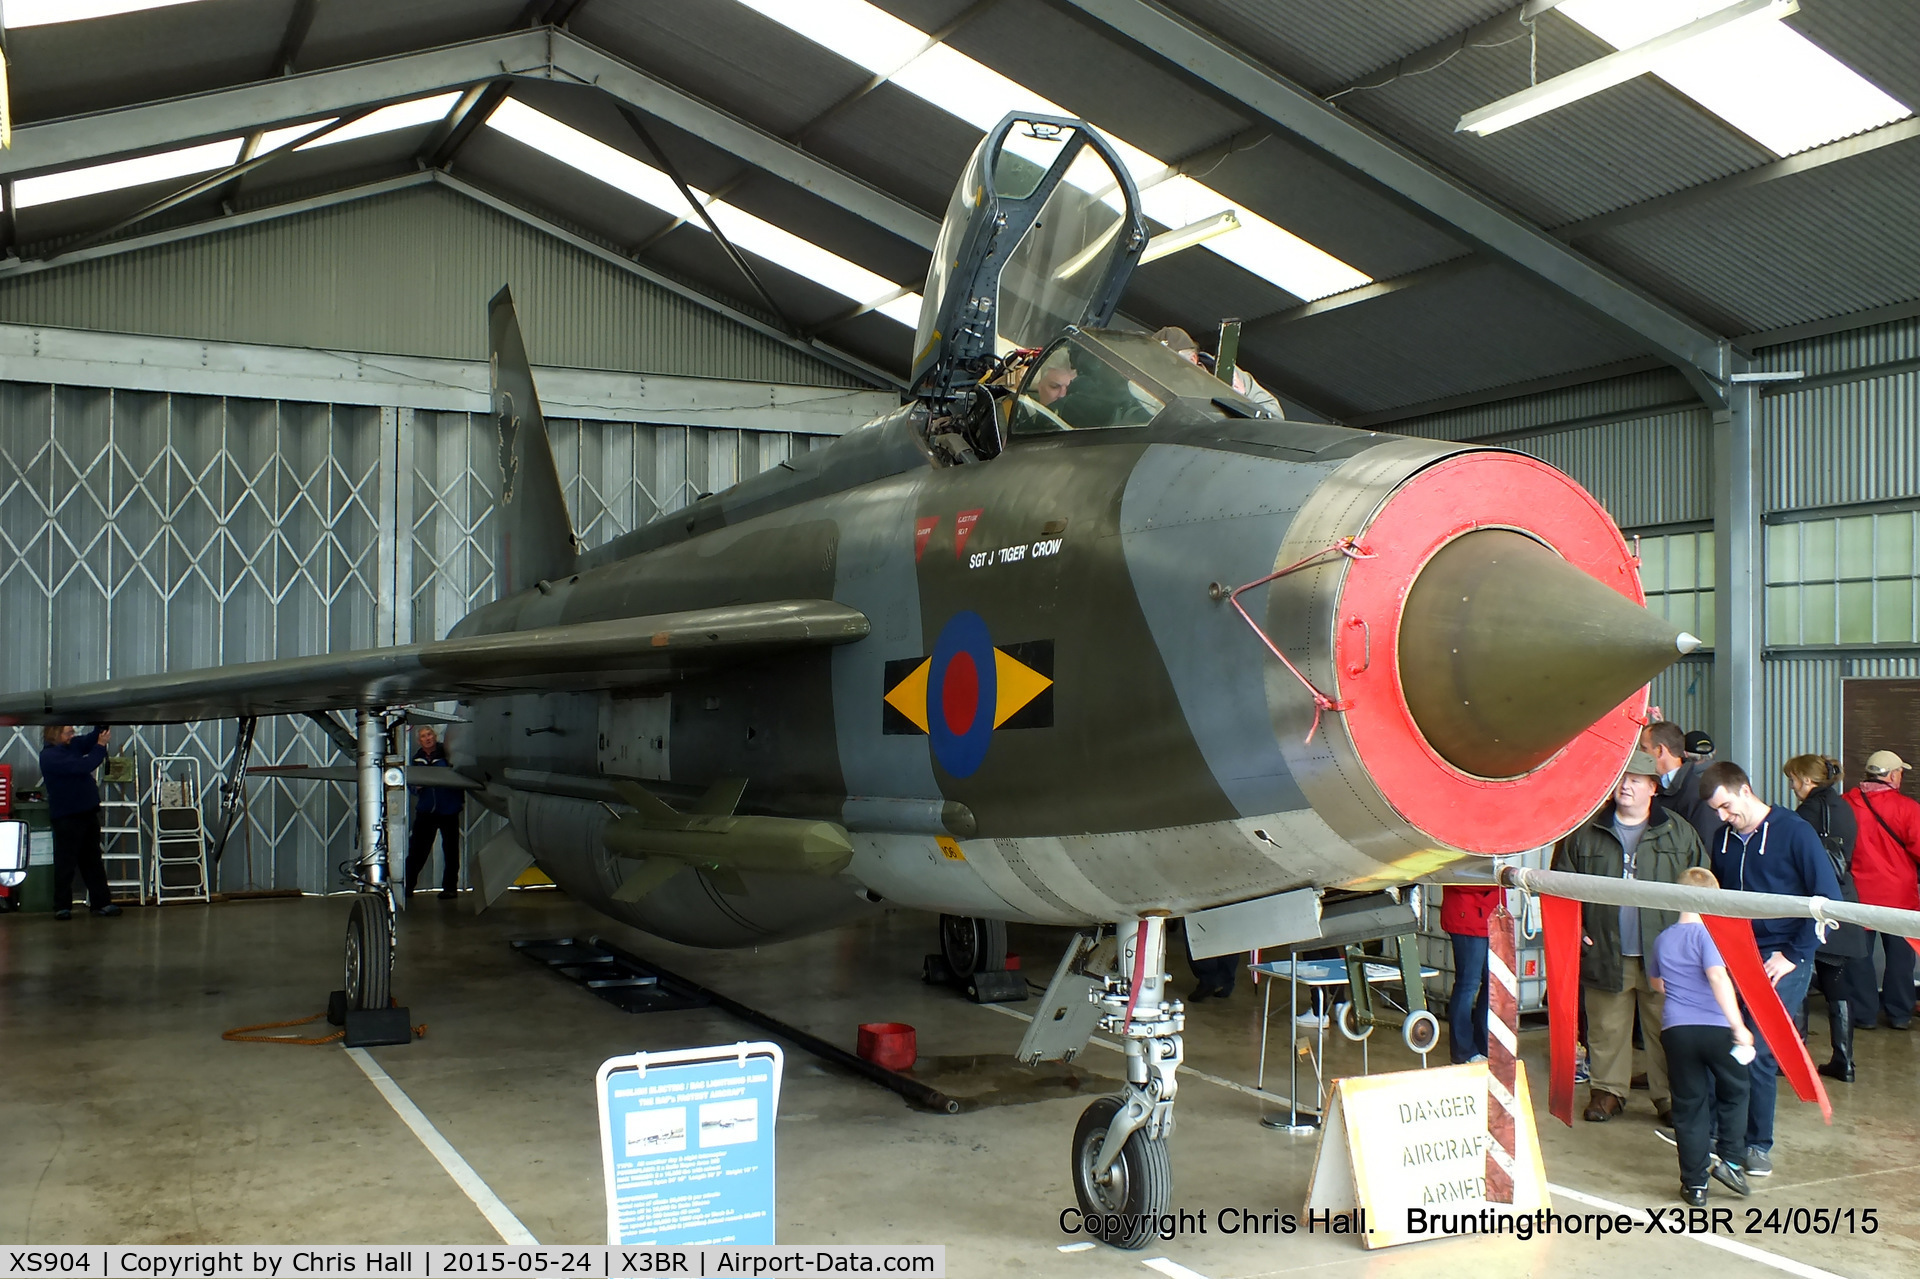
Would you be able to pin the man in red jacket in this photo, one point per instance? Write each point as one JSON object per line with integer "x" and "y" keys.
{"x": 1885, "y": 862}
{"x": 1464, "y": 913}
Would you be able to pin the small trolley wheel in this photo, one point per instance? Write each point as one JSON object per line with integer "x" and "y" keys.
{"x": 973, "y": 945}
{"x": 1421, "y": 1031}
{"x": 1122, "y": 1207}
{"x": 369, "y": 970}
{"x": 1343, "y": 1017}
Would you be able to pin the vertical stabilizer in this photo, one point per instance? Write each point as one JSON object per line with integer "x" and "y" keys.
{"x": 536, "y": 534}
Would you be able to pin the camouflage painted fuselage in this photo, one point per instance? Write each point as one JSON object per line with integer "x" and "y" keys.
{"x": 1051, "y": 720}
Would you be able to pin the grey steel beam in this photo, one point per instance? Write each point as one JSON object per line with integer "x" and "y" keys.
{"x": 1738, "y": 577}
{"x": 15, "y": 268}
{"x": 819, "y": 350}
{"x": 576, "y": 59}
{"x": 224, "y": 113}
{"x": 1698, "y": 352}
{"x": 1367, "y": 292}
{"x": 540, "y": 54}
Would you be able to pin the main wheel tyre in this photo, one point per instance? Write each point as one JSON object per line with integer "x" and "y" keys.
{"x": 1421, "y": 1031}
{"x": 1348, "y": 1021}
{"x": 1120, "y": 1208}
{"x": 973, "y": 945}
{"x": 369, "y": 954}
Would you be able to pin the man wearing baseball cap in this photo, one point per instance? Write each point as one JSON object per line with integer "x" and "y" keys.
{"x": 1885, "y": 858}
{"x": 1629, "y": 838}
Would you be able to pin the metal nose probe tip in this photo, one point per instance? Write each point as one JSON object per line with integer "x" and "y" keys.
{"x": 1508, "y": 652}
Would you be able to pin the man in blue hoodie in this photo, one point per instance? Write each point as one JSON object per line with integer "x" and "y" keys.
{"x": 67, "y": 766}
{"x": 1763, "y": 849}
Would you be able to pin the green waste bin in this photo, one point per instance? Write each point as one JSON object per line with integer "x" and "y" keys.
{"x": 37, "y": 893}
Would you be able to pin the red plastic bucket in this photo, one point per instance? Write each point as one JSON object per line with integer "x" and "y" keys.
{"x": 887, "y": 1044}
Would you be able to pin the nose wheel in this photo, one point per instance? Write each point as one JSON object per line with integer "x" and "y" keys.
{"x": 1137, "y": 1185}
{"x": 1122, "y": 1176}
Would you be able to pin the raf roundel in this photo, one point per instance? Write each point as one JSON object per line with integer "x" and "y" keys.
{"x": 961, "y": 694}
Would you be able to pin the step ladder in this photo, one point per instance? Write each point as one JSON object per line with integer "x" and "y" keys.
{"x": 122, "y": 842}
{"x": 178, "y": 831}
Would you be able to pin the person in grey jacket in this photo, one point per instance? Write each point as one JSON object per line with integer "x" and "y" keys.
{"x": 1680, "y": 778}
{"x": 1630, "y": 838}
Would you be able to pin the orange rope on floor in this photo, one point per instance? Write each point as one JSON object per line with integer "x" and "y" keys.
{"x": 244, "y": 1035}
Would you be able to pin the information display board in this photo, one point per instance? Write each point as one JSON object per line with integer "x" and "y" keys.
{"x": 686, "y": 1143}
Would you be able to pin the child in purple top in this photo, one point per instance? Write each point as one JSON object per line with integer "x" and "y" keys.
{"x": 1700, "y": 1027}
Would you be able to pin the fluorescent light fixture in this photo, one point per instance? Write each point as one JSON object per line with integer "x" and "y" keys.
{"x": 44, "y": 13}
{"x": 752, "y": 234}
{"x": 94, "y": 179}
{"x": 1169, "y": 242}
{"x": 1767, "y": 80}
{"x": 876, "y": 40}
{"x": 1617, "y": 68}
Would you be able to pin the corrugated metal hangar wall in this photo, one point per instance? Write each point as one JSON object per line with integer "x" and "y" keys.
{"x": 143, "y": 528}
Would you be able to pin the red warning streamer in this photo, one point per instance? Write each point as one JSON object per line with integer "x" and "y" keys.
{"x": 1503, "y": 1021}
{"x": 1734, "y": 937}
{"x": 1560, "y": 920}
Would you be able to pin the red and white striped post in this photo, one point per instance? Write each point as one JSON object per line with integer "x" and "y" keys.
{"x": 1503, "y": 1018}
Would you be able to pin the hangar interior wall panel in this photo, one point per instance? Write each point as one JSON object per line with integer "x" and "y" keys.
{"x": 145, "y": 531}
{"x": 406, "y": 273}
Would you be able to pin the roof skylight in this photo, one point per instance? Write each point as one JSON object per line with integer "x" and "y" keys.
{"x": 44, "y": 13}
{"x": 92, "y": 180}
{"x": 209, "y": 157}
{"x": 872, "y": 38}
{"x": 1766, "y": 79}
{"x": 752, "y": 234}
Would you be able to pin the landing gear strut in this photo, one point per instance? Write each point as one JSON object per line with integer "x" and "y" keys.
{"x": 370, "y": 931}
{"x": 1120, "y": 1164}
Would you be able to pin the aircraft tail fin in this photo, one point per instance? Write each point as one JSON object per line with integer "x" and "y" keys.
{"x": 536, "y": 538}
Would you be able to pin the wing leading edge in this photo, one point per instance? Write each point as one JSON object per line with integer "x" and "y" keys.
{"x": 578, "y": 657}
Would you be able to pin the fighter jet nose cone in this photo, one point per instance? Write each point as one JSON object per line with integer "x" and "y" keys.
{"x": 1508, "y": 652}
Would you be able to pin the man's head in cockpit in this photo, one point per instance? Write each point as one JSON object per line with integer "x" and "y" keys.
{"x": 1052, "y": 383}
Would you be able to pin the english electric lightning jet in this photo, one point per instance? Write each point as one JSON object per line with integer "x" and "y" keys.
{"x": 1078, "y": 635}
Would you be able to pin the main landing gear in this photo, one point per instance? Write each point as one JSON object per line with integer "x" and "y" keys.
{"x": 1121, "y": 1174}
{"x": 370, "y": 926}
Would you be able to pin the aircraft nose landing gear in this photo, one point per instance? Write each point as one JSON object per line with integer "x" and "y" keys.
{"x": 1122, "y": 1176}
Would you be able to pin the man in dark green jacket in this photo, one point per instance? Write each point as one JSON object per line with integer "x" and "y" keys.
{"x": 1630, "y": 838}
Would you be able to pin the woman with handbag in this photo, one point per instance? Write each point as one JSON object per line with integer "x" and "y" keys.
{"x": 1843, "y": 966}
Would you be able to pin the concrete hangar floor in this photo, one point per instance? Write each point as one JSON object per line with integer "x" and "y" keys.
{"x": 124, "y": 1118}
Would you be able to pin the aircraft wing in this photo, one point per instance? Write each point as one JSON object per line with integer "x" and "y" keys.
{"x": 576, "y": 657}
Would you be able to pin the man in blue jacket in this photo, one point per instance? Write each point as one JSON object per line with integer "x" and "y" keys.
{"x": 436, "y": 810}
{"x": 67, "y": 766}
{"x": 1763, "y": 849}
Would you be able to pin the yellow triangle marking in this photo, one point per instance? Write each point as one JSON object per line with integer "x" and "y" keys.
{"x": 1015, "y": 685}
{"x": 909, "y": 696}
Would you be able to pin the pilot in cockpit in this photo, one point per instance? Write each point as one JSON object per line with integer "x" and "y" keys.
{"x": 1052, "y": 382}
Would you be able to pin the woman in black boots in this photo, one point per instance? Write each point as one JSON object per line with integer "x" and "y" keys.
{"x": 1843, "y": 966}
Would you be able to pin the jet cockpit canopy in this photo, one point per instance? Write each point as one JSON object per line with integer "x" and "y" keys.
{"x": 1042, "y": 233}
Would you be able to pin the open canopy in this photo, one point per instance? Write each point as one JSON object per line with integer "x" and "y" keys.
{"x": 1042, "y": 232}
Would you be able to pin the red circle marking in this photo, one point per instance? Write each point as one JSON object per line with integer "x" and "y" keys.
{"x": 1448, "y": 500}
{"x": 960, "y": 694}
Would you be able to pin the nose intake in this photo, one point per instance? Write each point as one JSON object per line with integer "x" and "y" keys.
{"x": 1508, "y": 652}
